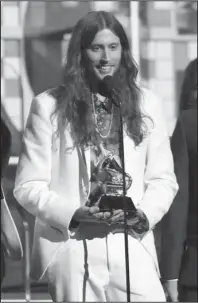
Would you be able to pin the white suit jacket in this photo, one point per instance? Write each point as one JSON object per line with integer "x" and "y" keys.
{"x": 52, "y": 180}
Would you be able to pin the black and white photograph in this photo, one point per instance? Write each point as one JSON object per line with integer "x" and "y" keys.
{"x": 99, "y": 151}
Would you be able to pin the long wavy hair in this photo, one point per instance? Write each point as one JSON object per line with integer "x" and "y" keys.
{"x": 74, "y": 96}
{"x": 189, "y": 87}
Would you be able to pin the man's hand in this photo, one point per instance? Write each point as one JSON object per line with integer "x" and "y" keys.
{"x": 136, "y": 221}
{"x": 171, "y": 287}
{"x": 90, "y": 214}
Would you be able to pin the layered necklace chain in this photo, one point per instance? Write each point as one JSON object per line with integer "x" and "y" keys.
{"x": 103, "y": 115}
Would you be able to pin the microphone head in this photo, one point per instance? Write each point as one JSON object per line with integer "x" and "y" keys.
{"x": 109, "y": 83}
{"x": 106, "y": 86}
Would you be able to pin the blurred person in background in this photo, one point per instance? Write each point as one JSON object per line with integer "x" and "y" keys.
{"x": 10, "y": 241}
{"x": 179, "y": 226}
{"x": 5, "y": 147}
{"x": 5, "y": 153}
{"x": 71, "y": 152}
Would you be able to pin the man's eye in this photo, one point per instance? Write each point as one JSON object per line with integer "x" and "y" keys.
{"x": 113, "y": 46}
{"x": 95, "y": 48}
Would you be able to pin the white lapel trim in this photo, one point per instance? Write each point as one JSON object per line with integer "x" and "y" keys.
{"x": 88, "y": 165}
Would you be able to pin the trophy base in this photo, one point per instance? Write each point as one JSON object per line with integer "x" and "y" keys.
{"x": 109, "y": 203}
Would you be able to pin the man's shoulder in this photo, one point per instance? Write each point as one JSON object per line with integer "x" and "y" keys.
{"x": 46, "y": 100}
{"x": 188, "y": 114}
{"x": 188, "y": 120}
{"x": 149, "y": 100}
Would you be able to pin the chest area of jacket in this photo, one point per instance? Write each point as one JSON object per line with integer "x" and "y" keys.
{"x": 66, "y": 156}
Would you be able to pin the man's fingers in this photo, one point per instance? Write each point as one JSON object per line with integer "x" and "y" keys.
{"x": 107, "y": 214}
{"x": 98, "y": 216}
{"x": 116, "y": 218}
{"x": 117, "y": 211}
{"x": 102, "y": 215}
{"x": 93, "y": 210}
{"x": 132, "y": 221}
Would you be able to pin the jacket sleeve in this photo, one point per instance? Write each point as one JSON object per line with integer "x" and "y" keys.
{"x": 33, "y": 175}
{"x": 160, "y": 181}
{"x": 174, "y": 223}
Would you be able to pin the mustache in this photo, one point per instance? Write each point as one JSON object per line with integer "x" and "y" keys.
{"x": 104, "y": 64}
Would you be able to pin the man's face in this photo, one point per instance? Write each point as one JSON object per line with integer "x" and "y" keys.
{"x": 104, "y": 54}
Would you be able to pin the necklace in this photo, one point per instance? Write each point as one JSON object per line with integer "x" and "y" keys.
{"x": 102, "y": 116}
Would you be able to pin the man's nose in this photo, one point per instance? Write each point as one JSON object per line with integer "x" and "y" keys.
{"x": 105, "y": 56}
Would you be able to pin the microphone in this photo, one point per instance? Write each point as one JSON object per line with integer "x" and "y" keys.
{"x": 107, "y": 88}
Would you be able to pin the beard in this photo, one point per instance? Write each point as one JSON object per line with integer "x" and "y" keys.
{"x": 95, "y": 84}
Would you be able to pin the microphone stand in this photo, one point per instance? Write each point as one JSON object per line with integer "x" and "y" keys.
{"x": 121, "y": 139}
{"x": 108, "y": 85}
{"x": 125, "y": 206}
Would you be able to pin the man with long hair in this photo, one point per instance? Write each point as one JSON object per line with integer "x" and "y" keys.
{"x": 71, "y": 159}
